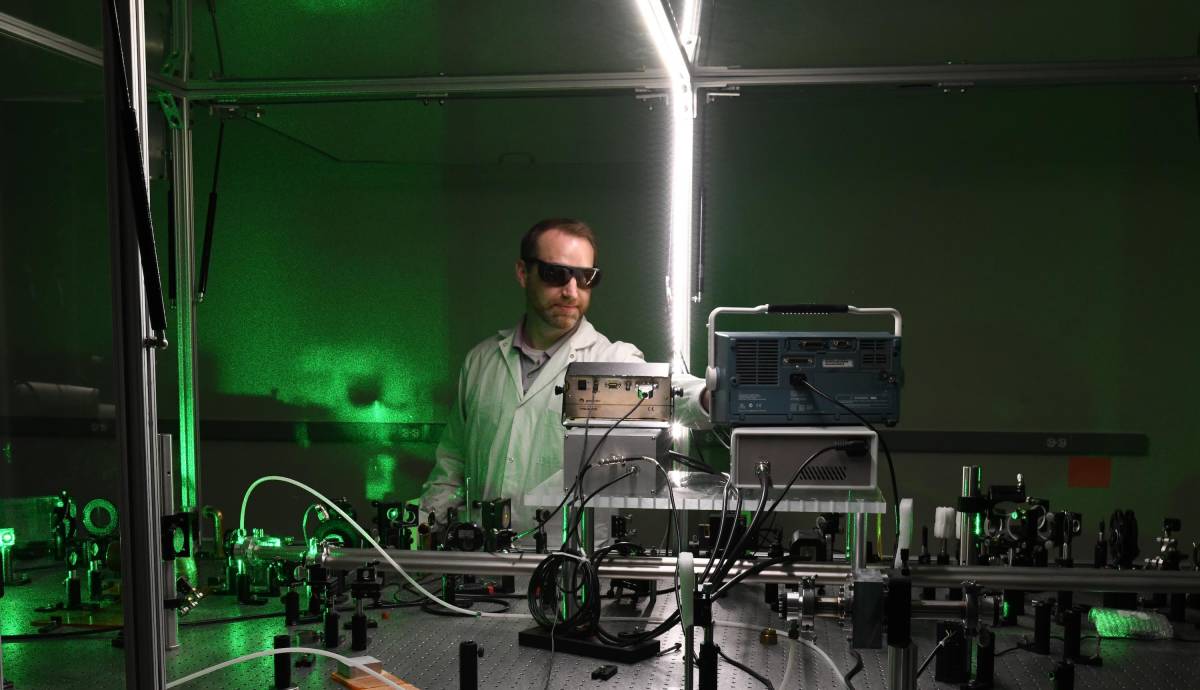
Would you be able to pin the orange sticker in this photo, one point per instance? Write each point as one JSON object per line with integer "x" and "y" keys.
{"x": 1089, "y": 473}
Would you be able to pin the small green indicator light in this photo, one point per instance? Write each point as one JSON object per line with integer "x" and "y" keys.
{"x": 1016, "y": 515}
{"x": 393, "y": 514}
{"x": 8, "y": 536}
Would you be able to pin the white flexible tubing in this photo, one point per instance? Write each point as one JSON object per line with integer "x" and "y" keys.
{"x": 837, "y": 671}
{"x": 285, "y": 650}
{"x": 789, "y": 664}
{"x": 286, "y": 480}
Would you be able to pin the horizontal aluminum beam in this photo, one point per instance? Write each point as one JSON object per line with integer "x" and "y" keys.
{"x": 1032, "y": 579}
{"x": 1184, "y": 70}
{"x": 1181, "y": 70}
{"x": 418, "y": 88}
{"x": 1053, "y": 579}
{"x": 252, "y": 91}
{"x": 35, "y": 35}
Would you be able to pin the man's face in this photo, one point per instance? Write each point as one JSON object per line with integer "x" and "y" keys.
{"x": 560, "y": 308}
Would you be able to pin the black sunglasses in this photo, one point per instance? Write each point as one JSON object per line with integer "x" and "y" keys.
{"x": 558, "y": 275}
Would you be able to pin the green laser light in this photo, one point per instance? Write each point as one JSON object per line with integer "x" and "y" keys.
{"x": 8, "y": 536}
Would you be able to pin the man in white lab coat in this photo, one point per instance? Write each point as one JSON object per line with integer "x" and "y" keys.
{"x": 504, "y": 435}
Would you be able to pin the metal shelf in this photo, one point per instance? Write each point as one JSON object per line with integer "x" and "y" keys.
{"x": 697, "y": 491}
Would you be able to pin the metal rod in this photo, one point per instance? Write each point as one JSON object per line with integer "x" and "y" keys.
{"x": 859, "y": 544}
{"x": 44, "y": 38}
{"x": 183, "y": 190}
{"x": 1029, "y": 579}
{"x": 1178, "y": 70}
{"x": 1181, "y": 71}
{"x": 419, "y": 88}
{"x": 1054, "y": 579}
{"x": 966, "y": 535}
{"x": 61, "y": 45}
{"x": 136, "y": 409}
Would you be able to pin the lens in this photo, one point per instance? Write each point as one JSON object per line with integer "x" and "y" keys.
{"x": 553, "y": 274}
{"x": 587, "y": 277}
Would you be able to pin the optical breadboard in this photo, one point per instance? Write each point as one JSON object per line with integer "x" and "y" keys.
{"x": 786, "y": 448}
{"x": 763, "y": 374}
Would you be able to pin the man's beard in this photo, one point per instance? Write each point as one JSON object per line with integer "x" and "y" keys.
{"x": 563, "y": 319}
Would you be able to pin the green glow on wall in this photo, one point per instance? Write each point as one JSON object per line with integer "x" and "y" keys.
{"x": 381, "y": 476}
{"x": 301, "y": 324}
{"x": 340, "y": 5}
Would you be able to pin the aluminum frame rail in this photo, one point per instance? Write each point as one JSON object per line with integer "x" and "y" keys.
{"x": 40, "y": 37}
{"x": 1169, "y": 70}
{"x": 1032, "y": 579}
{"x": 252, "y": 91}
{"x": 1165, "y": 71}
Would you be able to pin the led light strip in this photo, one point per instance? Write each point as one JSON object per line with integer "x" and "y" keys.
{"x": 682, "y": 105}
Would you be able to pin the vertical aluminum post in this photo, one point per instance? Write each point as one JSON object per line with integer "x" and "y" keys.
{"x": 167, "y": 486}
{"x": 858, "y": 559}
{"x": 183, "y": 191}
{"x": 966, "y": 519}
{"x": 133, "y": 355}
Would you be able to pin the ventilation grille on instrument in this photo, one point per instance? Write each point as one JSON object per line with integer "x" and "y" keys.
{"x": 824, "y": 473}
{"x": 757, "y": 362}
{"x": 874, "y": 353}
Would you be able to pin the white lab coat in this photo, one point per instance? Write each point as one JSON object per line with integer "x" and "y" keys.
{"x": 506, "y": 441}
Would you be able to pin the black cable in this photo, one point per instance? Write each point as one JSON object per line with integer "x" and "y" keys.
{"x": 746, "y": 669}
{"x": 754, "y": 570}
{"x": 171, "y": 269}
{"x": 579, "y": 514}
{"x": 882, "y": 442}
{"x": 691, "y": 462}
{"x": 212, "y": 12}
{"x": 584, "y": 466}
{"x": 211, "y": 219}
{"x": 858, "y": 666}
{"x": 625, "y": 638}
{"x": 716, "y": 543}
{"x": 727, "y": 561}
{"x": 933, "y": 653}
{"x": 1018, "y": 648}
{"x": 728, "y": 557}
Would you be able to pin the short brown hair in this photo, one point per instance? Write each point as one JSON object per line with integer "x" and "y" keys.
{"x": 570, "y": 226}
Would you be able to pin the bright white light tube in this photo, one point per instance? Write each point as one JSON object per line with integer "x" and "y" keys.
{"x": 284, "y": 650}
{"x": 429, "y": 595}
{"x": 682, "y": 111}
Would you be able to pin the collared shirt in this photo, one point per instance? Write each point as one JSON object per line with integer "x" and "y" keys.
{"x": 533, "y": 359}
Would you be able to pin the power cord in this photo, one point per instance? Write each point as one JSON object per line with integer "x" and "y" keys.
{"x": 746, "y": 669}
{"x": 882, "y": 442}
{"x": 933, "y": 653}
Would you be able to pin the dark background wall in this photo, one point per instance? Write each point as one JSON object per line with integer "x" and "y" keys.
{"x": 1035, "y": 239}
